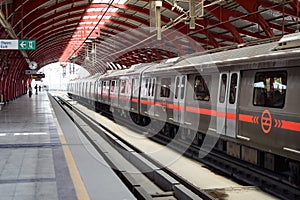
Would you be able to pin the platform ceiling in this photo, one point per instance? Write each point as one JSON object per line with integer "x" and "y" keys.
{"x": 115, "y": 34}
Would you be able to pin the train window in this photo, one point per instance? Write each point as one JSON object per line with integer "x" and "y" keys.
{"x": 128, "y": 87}
{"x": 270, "y": 89}
{"x": 176, "y": 87}
{"x": 165, "y": 87}
{"x": 223, "y": 88}
{"x": 112, "y": 86}
{"x": 123, "y": 86}
{"x": 153, "y": 87}
{"x": 201, "y": 91}
{"x": 104, "y": 87}
{"x": 84, "y": 89}
{"x": 149, "y": 87}
{"x": 182, "y": 87}
{"x": 233, "y": 85}
{"x": 91, "y": 89}
{"x": 135, "y": 89}
{"x": 146, "y": 88}
{"x": 87, "y": 89}
{"x": 99, "y": 87}
{"x": 107, "y": 86}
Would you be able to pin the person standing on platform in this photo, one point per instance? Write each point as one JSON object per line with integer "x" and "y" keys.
{"x": 30, "y": 90}
{"x": 36, "y": 89}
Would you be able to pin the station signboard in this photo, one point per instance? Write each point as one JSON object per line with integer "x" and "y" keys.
{"x": 18, "y": 44}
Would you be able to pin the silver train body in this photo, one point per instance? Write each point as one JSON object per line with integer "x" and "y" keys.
{"x": 247, "y": 97}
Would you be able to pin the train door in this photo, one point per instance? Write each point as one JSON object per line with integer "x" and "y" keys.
{"x": 179, "y": 96}
{"x": 135, "y": 93}
{"x": 227, "y": 103}
{"x": 150, "y": 96}
{"x": 147, "y": 96}
{"x": 99, "y": 90}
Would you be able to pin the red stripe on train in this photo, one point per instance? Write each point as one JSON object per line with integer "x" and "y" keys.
{"x": 147, "y": 102}
{"x": 231, "y": 116}
{"x": 246, "y": 118}
{"x": 134, "y": 100}
{"x": 209, "y": 112}
{"x": 288, "y": 125}
{"x": 175, "y": 107}
{"x": 201, "y": 111}
{"x": 293, "y": 126}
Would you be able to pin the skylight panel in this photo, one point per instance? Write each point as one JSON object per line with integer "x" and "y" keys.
{"x": 90, "y": 17}
{"x": 90, "y": 10}
{"x": 101, "y": 1}
{"x": 104, "y": 17}
{"x": 107, "y": 1}
{"x": 121, "y": 1}
{"x": 112, "y": 9}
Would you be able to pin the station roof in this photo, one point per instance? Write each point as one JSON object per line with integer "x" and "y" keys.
{"x": 115, "y": 34}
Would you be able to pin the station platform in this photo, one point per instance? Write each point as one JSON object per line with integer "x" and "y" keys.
{"x": 43, "y": 158}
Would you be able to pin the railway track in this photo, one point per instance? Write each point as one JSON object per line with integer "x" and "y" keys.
{"x": 240, "y": 171}
{"x": 157, "y": 181}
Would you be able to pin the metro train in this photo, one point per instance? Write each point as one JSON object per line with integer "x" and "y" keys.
{"x": 247, "y": 96}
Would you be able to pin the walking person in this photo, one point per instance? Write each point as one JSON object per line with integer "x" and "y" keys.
{"x": 36, "y": 89}
{"x": 30, "y": 91}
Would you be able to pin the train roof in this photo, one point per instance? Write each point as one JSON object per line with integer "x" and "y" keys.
{"x": 207, "y": 61}
{"x": 133, "y": 70}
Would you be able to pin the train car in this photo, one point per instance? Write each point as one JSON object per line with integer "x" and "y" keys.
{"x": 91, "y": 91}
{"x": 72, "y": 88}
{"x": 175, "y": 90}
{"x": 85, "y": 90}
{"x": 129, "y": 98}
{"x": 121, "y": 90}
{"x": 110, "y": 90}
{"x": 245, "y": 97}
